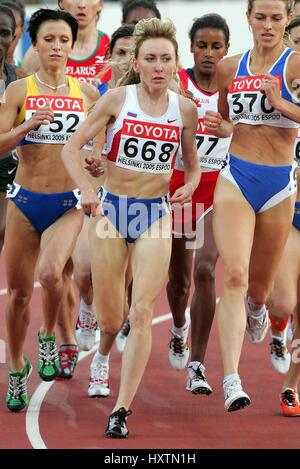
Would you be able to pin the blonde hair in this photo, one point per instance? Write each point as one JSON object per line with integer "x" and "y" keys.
{"x": 149, "y": 29}
{"x": 289, "y": 5}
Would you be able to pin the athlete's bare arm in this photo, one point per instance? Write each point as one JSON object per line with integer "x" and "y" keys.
{"x": 105, "y": 111}
{"x": 192, "y": 170}
{"x": 272, "y": 89}
{"x": 218, "y": 123}
{"x": 14, "y": 98}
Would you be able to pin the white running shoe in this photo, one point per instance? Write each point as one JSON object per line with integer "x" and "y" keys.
{"x": 256, "y": 328}
{"x": 86, "y": 327}
{"x": 98, "y": 385}
{"x": 196, "y": 381}
{"x": 122, "y": 336}
{"x": 280, "y": 356}
{"x": 179, "y": 351}
{"x": 235, "y": 397}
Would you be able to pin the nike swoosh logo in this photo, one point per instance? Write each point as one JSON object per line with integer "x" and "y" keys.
{"x": 11, "y": 171}
{"x": 171, "y": 120}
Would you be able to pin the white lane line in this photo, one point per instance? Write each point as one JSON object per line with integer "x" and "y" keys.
{"x": 3, "y": 291}
{"x": 34, "y": 407}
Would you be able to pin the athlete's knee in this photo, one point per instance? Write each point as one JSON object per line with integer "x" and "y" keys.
{"x": 18, "y": 298}
{"x": 111, "y": 326}
{"x": 141, "y": 315}
{"x": 282, "y": 308}
{"x": 236, "y": 276}
{"x": 82, "y": 275}
{"x": 204, "y": 271}
{"x": 179, "y": 285}
{"x": 49, "y": 274}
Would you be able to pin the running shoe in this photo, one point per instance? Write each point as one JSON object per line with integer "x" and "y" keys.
{"x": 98, "y": 385}
{"x": 178, "y": 346}
{"x": 280, "y": 356}
{"x": 116, "y": 427}
{"x": 48, "y": 364}
{"x": 17, "y": 397}
{"x": 122, "y": 336}
{"x": 196, "y": 381}
{"x": 178, "y": 352}
{"x": 257, "y": 328}
{"x": 86, "y": 327}
{"x": 68, "y": 356}
{"x": 289, "y": 401}
{"x": 235, "y": 397}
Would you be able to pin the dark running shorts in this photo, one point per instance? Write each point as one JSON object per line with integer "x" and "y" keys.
{"x": 8, "y": 168}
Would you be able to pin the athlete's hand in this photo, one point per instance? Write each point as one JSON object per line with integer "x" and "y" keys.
{"x": 182, "y": 195}
{"x": 271, "y": 88}
{"x": 212, "y": 121}
{"x": 90, "y": 203}
{"x": 42, "y": 116}
{"x": 189, "y": 94}
{"x": 94, "y": 166}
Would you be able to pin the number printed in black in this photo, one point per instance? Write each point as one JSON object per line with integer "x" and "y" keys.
{"x": 59, "y": 125}
{"x": 149, "y": 150}
{"x": 239, "y": 108}
{"x": 73, "y": 126}
{"x": 213, "y": 140}
{"x": 131, "y": 150}
{"x": 297, "y": 150}
{"x": 166, "y": 150}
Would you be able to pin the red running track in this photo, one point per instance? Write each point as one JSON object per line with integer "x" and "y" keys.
{"x": 164, "y": 415}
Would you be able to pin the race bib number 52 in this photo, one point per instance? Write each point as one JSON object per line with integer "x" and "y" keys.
{"x": 68, "y": 114}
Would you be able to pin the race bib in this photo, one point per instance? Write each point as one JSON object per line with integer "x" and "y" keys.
{"x": 148, "y": 147}
{"x": 211, "y": 150}
{"x": 68, "y": 115}
{"x": 248, "y": 104}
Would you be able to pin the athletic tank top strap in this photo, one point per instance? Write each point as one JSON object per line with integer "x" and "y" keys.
{"x": 242, "y": 68}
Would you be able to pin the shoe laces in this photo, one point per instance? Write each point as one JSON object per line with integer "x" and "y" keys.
{"x": 120, "y": 415}
{"x": 177, "y": 344}
{"x": 278, "y": 348}
{"x": 48, "y": 352}
{"x": 257, "y": 323}
{"x": 68, "y": 358}
{"x": 17, "y": 386}
{"x": 290, "y": 398}
{"x": 87, "y": 320}
{"x": 99, "y": 373}
{"x": 198, "y": 374}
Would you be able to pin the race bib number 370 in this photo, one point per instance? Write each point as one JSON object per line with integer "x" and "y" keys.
{"x": 147, "y": 147}
{"x": 68, "y": 114}
{"x": 248, "y": 103}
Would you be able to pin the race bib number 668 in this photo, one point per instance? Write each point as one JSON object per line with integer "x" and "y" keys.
{"x": 148, "y": 147}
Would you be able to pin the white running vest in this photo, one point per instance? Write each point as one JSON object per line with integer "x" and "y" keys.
{"x": 138, "y": 142}
{"x": 211, "y": 150}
